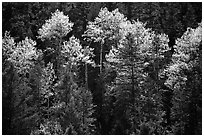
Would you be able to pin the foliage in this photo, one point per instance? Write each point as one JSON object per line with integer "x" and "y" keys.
{"x": 149, "y": 80}
{"x": 20, "y": 58}
{"x": 62, "y": 88}
{"x": 48, "y": 77}
{"x": 136, "y": 46}
{"x": 73, "y": 52}
{"x": 106, "y": 25}
{"x": 69, "y": 52}
{"x": 185, "y": 62}
{"x": 186, "y": 57}
{"x": 49, "y": 128}
{"x": 82, "y": 109}
{"x": 57, "y": 26}
{"x": 22, "y": 55}
{"x": 8, "y": 45}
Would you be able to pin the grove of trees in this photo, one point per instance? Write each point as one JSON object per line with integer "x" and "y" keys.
{"x": 103, "y": 68}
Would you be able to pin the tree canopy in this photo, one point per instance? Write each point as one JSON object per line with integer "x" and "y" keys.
{"x": 101, "y": 68}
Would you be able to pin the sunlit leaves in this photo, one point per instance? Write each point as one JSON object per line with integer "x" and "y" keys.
{"x": 187, "y": 56}
{"x": 136, "y": 47}
{"x": 74, "y": 53}
{"x": 135, "y": 35}
{"x": 136, "y": 28}
{"x": 22, "y": 54}
{"x": 183, "y": 76}
{"x": 8, "y": 44}
{"x": 141, "y": 41}
{"x": 160, "y": 44}
{"x": 113, "y": 56}
{"x": 175, "y": 76}
{"x": 190, "y": 41}
{"x": 106, "y": 25}
{"x": 48, "y": 128}
{"x": 58, "y": 26}
{"x": 68, "y": 56}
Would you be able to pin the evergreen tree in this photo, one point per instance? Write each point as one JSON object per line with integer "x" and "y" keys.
{"x": 20, "y": 59}
{"x": 104, "y": 30}
{"x": 135, "y": 50}
{"x": 183, "y": 78}
{"x": 61, "y": 86}
{"x": 81, "y": 68}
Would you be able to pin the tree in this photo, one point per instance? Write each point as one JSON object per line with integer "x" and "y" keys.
{"x": 105, "y": 26}
{"x": 182, "y": 74}
{"x": 60, "y": 84}
{"x": 82, "y": 68}
{"x": 103, "y": 30}
{"x": 136, "y": 49}
{"x": 19, "y": 59}
{"x": 8, "y": 77}
{"x": 56, "y": 27}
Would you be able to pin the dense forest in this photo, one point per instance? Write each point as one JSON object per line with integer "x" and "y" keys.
{"x": 101, "y": 68}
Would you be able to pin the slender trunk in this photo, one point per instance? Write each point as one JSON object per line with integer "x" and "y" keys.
{"x": 11, "y": 108}
{"x": 39, "y": 95}
{"x": 83, "y": 117}
{"x": 68, "y": 86}
{"x": 86, "y": 76}
{"x": 58, "y": 59}
{"x": 132, "y": 81}
{"x": 155, "y": 68}
{"x": 101, "y": 57}
{"x": 102, "y": 91}
{"x": 86, "y": 88}
{"x": 133, "y": 93}
{"x": 48, "y": 105}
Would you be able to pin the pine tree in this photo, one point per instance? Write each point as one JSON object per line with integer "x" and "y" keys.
{"x": 104, "y": 30}
{"x": 105, "y": 27}
{"x": 182, "y": 74}
{"x": 135, "y": 50}
{"x": 21, "y": 57}
{"x": 59, "y": 79}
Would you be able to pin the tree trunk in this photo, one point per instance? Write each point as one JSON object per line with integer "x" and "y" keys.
{"x": 101, "y": 57}
{"x": 7, "y": 117}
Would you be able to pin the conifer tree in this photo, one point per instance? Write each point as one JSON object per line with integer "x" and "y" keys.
{"x": 136, "y": 47}
{"x": 60, "y": 85}
{"x": 21, "y": 57}
{"x": 104, "y": 30}
{"x": 183, "y": 78}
